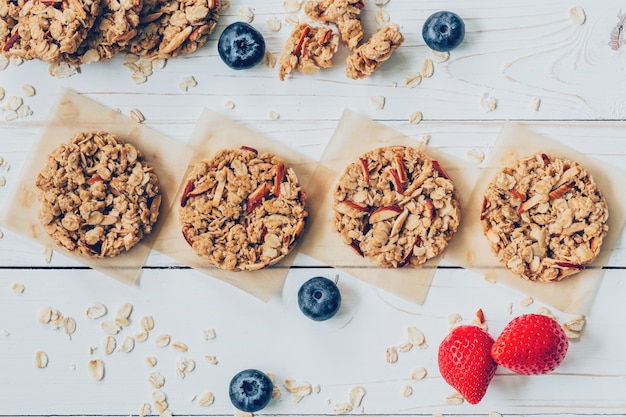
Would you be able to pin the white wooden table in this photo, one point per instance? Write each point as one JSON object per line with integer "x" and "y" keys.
{"x": 512, "y": 53}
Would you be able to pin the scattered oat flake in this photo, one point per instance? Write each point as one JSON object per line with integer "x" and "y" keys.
{"x": 269, "y": 59}
{"x": 413, "y": 80}
{"x": 18, "y": 287}
{"x": 239, "y": 413}
{"x": 16, "y": 60}
{"x": 45, "y": 315}
{"x": 47, "y": 255}
{"x": 382, "y": 17}
{"x": 416, "y": 117}
{"x": 428, "y": 68}
{"x": 377, "y": 102}
{"x": 535, "y": 103}
{"x": 109, "y": 343}
{"x": 147, "y": 323}
{"x": 159, "y": 63}
{"x": 187, "y": 82}
{"x": 9, "y": 116}
{"x": 454, "y": 399}
{"x": 156, "y": 379}
{"x": 28, "y": 90}
{"x": 125, "y": 310}
{"x": 381, "y": 3}
{"x": 577, "y": 15}
{"x": 425, "y": 139}
{"x": 209, "y": 334}
{"x": 163, "y": 340}
{"x": 145, "y": 409}
{"x": 437, "y": 415}
{"x": 342, "y": 408}
{"x": 525, "y": 302}
{"x": 418, "y": 374}
{"x": 159, "y": 396}
{"x": 4, "y": 62}
{"x": 273, "y": 23}
{"x": 292, "y": 20}
{"x": 14, "y": 102}
{"x": 137, "y": 116}
{"x": 488, "y": 103}
{"x": 41, "y": 359}
{"x": 292, "y": 6}
{"x": 494, "y": 414}
{"x": 128, "y": 344}
{"x": 96, "y": 310}
{"x": 317, "y": 388}
{"x": 454, "y": 318}
{"x": 405, "y": 346}
{"x": 229, "y": 105}
{"x": 574, "y": 326}
{"x": 356, "y": 396}
{"x": 391, "y": 355}
{"x": 475, "y": 155}
{"x": 151, "y": 361}
{"x": 141, "y": 336}
{"x": 62, "y": 70}
{"x": 110, "y": 327}
{"x": 212, "y": 359}
{"x": 245, "y": 14}
{"x": 206, "y": 399}
{"x": 440, "y": 57}
{"x": 96, "y": 369}
{"x": 3, "y": 181}
{"x": 69, "y": 324}
{"x": 415, "y": 336}
{"x": 509, "y": 308}
{"x": 122, "y": 321}
{"x": 273, "y": 115}
{"x": 180, "y": 346}
{"x": 406, "y": 391}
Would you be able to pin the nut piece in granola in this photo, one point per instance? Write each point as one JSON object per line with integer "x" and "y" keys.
{"x": 46, "y": 31}
{"x": 99, "y": 196}
{"x": 242, "y": 210}
{"x": 308, "y": 49}
{"x": 372, "y": 54}
{"x": 396, "y": 206}
{"x": 343, "y": 13}
{"x": 169, "y": 28}
{"x": 544, "y": 217}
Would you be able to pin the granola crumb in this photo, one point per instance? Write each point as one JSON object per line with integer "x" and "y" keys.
{"x": 187, "y": 82}
{"x": 47, "y": 255}
{"x": 488, "y": 103}
{"x": 273, "y": 115}
{"x": 377, "y": 102}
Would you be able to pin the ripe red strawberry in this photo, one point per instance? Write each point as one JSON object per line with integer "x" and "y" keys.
{"x": 465, "y": 361}
{"x": 531, "y": 344}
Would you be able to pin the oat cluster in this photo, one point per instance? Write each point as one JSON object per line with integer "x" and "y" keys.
{"x": 310, "y": 48}
{"x": 79, "y": 32}
{"x": 99, "y": 196}
{"x": 242, "y": 210}
{"x": 544, "y": 217}
{"x": 396, "y": 206}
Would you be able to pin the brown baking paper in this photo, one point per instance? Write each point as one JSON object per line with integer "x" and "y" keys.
{"x": 213, "y": 133}
{"x": 471, "y": 250}
{"x": 354, "y": 136}
{"x": 72, "y": 114}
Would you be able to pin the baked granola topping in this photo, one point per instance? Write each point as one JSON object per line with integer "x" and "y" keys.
{"x": 99, "y": 197}
{"x": 544, "y": 217}
{"x": 343, "y": 13}
{"x": 242, "y": 210}
{"x": 372, "y": 54}
{"x": 396, "y": 206}
{"x": 308, "y": 49}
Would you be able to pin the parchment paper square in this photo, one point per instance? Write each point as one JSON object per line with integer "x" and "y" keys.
{"x": 213, "y": 133}
{"x": 72, "y": 114}
{"x": 355, "y": 135}
{"x": 471, "y": 249}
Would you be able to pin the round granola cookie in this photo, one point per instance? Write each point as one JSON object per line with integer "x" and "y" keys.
{"x": 9, "y": 13}
{"x": 242, "y": 210}
{"x": 98, "y": 195}
{"x": 544, "y": 218}
{"x": 171, "y": 27}
{"x": 396, "y": 206}
{"x": 113, "y": 29}
{"x": 46, "y": 30}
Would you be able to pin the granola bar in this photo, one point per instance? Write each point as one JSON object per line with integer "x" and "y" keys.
{"x": 171, "y": 27}
{"x": 308, "y": 49}
{"x": 343, "y": 13}
{"x": 544, "y": 218}
{"x": 242, "y": 210}
{"x": 99, "y": 196}
{"x": 396, "y": 206}
{"x": 373, "y": 53}
{"x": 9, "y": 14}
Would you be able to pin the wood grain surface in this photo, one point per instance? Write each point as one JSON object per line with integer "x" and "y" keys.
{"x": 514, "y": 53}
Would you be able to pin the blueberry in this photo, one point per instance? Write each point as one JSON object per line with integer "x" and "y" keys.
{"x": 241, "y": 46}
{"x": 250, "y": 390}
{"x": 319, "y": 298}
{"x": 443, "y": 31}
